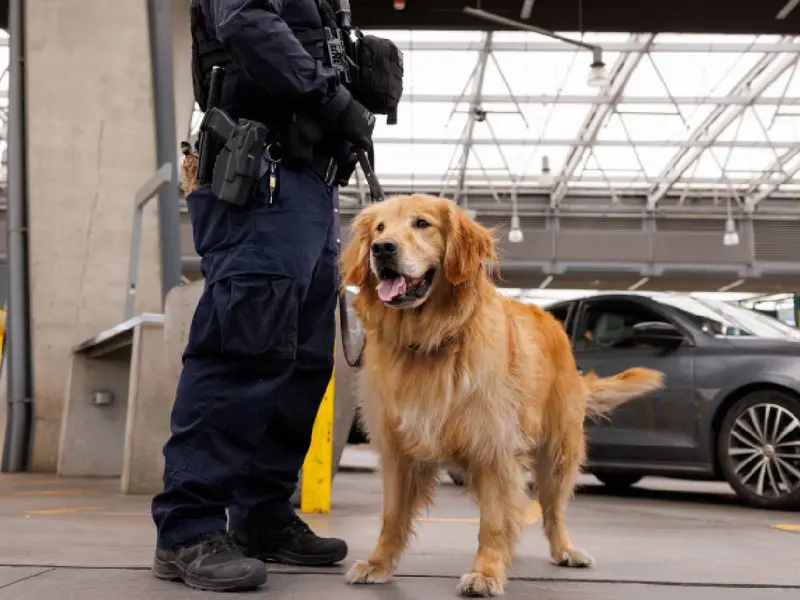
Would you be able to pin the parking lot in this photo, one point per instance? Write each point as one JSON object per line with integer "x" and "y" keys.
{"x": 78, "y": 539}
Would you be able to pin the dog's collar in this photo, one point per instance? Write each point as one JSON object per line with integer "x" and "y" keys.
{"x": 417, "y": 348}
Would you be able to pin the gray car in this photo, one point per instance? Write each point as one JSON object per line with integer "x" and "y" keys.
{"x": 731, "y": 406}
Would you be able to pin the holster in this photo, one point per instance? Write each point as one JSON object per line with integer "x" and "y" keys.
{"x": 237, "y": 166}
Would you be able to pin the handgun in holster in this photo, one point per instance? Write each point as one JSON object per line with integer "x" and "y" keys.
{"x": 233, "y": 169}
{"x": 237, "y": 167}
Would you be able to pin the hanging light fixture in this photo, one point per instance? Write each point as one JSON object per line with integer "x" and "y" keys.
{"x": 546, "y": 176}
{"x": 598, "y": 77}
{"x": 515, "y": 233}
{"x": 731, "y": 237}
{"x": 399, "y": 4}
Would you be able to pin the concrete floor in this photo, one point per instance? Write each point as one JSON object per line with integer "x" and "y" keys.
{"x": 78, "y": 539}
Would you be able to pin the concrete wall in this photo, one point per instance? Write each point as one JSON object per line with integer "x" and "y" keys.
{"x": 91, "y": 146}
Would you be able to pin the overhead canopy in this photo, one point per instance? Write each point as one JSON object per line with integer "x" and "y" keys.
{"x": 683, "y": 122}
{"x": 687, "y": 16}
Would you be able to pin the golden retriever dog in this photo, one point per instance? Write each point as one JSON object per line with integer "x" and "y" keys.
{"x": 456, "y": 373}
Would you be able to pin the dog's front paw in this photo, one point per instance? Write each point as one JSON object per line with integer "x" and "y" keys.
{"x": 476, "y": 585}
{"x": 575, "y": 557}
{"x": 363, "y": 572}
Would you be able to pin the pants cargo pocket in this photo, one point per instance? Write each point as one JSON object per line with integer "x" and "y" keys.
{"x": 258, "y": 315}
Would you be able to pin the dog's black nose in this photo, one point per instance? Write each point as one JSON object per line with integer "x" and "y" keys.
{"x": 384, "y": 248}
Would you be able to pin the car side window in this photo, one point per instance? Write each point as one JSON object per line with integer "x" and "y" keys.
{"x": 561, "y": 313}
{"x": 606, "y": 325}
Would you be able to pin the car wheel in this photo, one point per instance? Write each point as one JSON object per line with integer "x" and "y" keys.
{"x": 618, "y": 481}
{"x": 357, "y": 435}
{"x": 457, "y": 478}
{"x": 759, "y": 449}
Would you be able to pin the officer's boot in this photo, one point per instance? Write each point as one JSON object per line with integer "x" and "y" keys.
{"x": 210, "y": 562}
{"x": 293, "y": 544}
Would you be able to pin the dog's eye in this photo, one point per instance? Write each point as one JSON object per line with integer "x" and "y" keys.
{"x": 421, "y": 223}
{"x": 379, "y": 227}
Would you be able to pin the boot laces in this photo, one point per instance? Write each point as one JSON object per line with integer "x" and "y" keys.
{"x": 219, "y": 543}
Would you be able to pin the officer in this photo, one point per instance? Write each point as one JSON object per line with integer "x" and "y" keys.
{"x": 260, "y": 349}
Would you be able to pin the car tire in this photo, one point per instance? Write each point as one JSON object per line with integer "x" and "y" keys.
{"x": 357, "y": 435}
{"x": 618, "y": 481}
{"x": 457, "y": 478}
{"x": 757, "y": 434}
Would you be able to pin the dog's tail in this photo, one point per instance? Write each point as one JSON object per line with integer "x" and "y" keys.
{"x": 606, "y": 393}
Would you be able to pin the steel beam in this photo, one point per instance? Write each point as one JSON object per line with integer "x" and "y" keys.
{"x": 765, "y": 177}
{"x": 760, "y": 194}
{"x": 599, "y": 99}
{"x": 757, "y": 80}
{"x": 582, "y": 99}
{"x": 410, "y": 45}
{"x": 658, "y": 47}
{"x": 621, "y": 73}
{"x": 520, "y": 141}
{"x": 504, "y": 185}
{"x": 474, "y": 108}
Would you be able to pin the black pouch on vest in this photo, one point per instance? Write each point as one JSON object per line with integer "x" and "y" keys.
{"x": 379, "y": 77}
{"x": 302, "y": 135}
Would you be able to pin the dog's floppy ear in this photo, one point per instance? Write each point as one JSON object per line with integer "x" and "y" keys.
{"x": 470, "y": 247}
{"x": 354, "y": 261}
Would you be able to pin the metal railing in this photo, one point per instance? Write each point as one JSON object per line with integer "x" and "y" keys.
{"x": 147, "y": 192}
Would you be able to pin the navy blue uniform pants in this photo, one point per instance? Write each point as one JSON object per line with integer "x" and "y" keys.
{"x": 258, "y": 358}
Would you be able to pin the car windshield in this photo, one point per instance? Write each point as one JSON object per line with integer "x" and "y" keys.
{"x": 721, "y": 319}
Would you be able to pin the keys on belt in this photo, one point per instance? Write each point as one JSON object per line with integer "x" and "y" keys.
{"x": 324, "y": 166}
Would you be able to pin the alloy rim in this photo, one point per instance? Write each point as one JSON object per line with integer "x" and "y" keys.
{"x": 764, "y": 447}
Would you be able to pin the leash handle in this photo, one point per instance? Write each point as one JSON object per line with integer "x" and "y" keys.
{"x": 351, "y": 356}
{"x": 355, "y": 358}
{"x": 375, "y": 189}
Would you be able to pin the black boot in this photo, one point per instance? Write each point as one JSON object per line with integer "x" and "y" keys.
{"x": 210, "y": 562}
{"x": 294, "y": 544}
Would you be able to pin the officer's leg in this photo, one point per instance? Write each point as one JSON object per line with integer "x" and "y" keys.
{"x": 263, "y": 518}
{"x": 240, "y": 353}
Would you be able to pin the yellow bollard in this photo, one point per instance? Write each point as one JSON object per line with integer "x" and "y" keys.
{"x": 2, "y": 330}
{"x": 317, "y": 474}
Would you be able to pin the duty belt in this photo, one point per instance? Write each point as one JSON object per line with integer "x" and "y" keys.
{"x": 325, "y": 167}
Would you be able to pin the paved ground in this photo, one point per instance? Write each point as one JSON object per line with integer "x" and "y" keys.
{"x": 80, "y": 539}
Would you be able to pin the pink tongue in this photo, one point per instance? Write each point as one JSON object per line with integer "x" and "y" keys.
{"x": 388, "y": 289}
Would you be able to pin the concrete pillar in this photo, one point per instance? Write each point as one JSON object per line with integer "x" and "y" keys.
{"x": 91, "y": 146}
{"x": 182, "y": 61}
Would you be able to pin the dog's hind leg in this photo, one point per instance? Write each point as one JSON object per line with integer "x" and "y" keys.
{"x": 408, "y": 486}
{"x": 558, "y": 461}
{"x": 502, "y": 498}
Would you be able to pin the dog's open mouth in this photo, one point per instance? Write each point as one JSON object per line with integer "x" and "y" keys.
{"x": 396, "y": 289}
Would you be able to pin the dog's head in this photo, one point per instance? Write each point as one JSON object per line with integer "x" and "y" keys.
{"x": 408, "y": 247}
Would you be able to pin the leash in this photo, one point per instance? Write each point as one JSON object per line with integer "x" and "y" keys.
{"x": 355, "y": 358}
